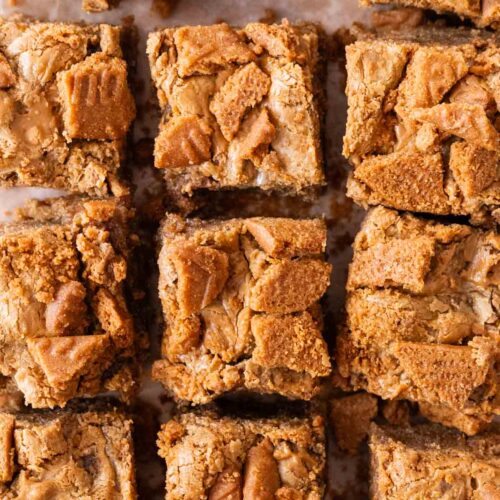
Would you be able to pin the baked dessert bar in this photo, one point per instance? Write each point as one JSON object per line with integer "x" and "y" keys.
{"x": 67, "y": 455}
{"x": 65, "y": 330}
{"x": 240, "y": 301}
{"x": 429, "y": 461}
{"x": 211, "y": 457}
{"x": 241, "y": 107}
{"x": 421, "y": 129}
{"x": 66, "y": 106}
{"x": 482, "y": 12}
{"x": 423, "y": 317}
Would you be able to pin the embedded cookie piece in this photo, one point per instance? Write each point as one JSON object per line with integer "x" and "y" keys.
{"x": 241, "y": 106}
{"x": 214, "y": 457}
{"x": 423, "y": 316}
{"x": 421, "y": 129}
{"x": 66, "y": 106}
{"x": 241, "y": 303}
{"x": 429, "y": 461}
{"x": 98, "y": 5}
{"x": 63, "y": 454}
{"x": 65, "y": 328}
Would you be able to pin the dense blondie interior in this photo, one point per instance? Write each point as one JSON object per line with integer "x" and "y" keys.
{"x": 241, "y": 107}
{"x": 240, "y": 300}
{"x": 66, "y": 106}
{"x": 423, "y": 317}
{"x": 428, "y": 461}
{"x": 65, "y": 329}
{"x": 66, "y": 455}
{"x": 422, "y": 122}
{"x": 213, "y": 458}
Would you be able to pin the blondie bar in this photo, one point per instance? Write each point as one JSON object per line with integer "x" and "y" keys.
{"x": 212, "y": 457}
{"x": 429, "y": 461}
{"x": 423, "y": 317}
{"x": 240, "y": 301}
{"x": 65, "y": 329}
{"x": 66, "y": 455}
{"x": 65, "y": 106}
{"x": 241, "y": 107}
{"x": 421, "y": 129}
{"x": 482, "y": 12}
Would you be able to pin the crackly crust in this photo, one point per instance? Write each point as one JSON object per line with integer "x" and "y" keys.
{"x": 241, "y": 106}
{"x": 66, "y": 454}
{"x": 423, "y": 315}
{"x": 429, "y": 461}
{"x": 281, "y": 458}
{"x": 65, "y": 327}
{"x": 66, "y": 106}
{"x": 421, "y": 128}
{"x": 240, "y": 300}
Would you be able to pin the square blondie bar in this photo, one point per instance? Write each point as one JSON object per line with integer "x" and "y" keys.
{"x": 240, "y": 301}
{"x": 65, "y": 106}
{"x": 65, "y": 330}
{"x": 423, "y": 317}
{"x": 63, "y": 454}
{"x": 241, "y": 107}
{"x": 422, "y": 122}
{"x": 429, "y": 461}
{"x": 212, "y": 457}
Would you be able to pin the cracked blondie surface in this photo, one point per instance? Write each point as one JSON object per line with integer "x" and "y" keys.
{"x": 65, "y": 106}
{"x": 423, "y": 317}
{"x": 427, "y": 461}
{"x": 241, "y": 107}
{"x": 87, "y": 455}
{"x": 240, "y": 300}
{"x": 422, "y": 122}
{"x": 211, "y": 457}
{"x": 65, "y": 329}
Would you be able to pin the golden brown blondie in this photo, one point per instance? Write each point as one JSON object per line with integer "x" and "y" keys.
{"x": 65, "y": 106}
{"x": 423, "y": 317}
{"x": 422, "y": 122}
{"x": 240, "y": 300}
{"x": 240, "y": 106}
{"x": 65, "y": 329}
{"x": 212, "y": 457}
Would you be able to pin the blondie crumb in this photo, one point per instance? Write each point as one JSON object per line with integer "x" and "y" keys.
{"x": 241, "y": 106}
{"x": 66, "y": 106}
{"x": 212, "y": 457}
{"x": 423, "y": 315}
{"x": 98, "y": 5}
{"x": 421, "y": 129}
{"x": 65, "y": 327}
{"x": 66, "y": 455}
{"x": 240, "y": 301}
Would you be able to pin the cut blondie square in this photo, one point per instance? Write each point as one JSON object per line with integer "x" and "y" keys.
{"x": 241, "y": 107}
{"x": 65, "y": 106}
{"x": 212, "y": 457}
{"x": 429, "y": 461}
{"x": 62, "y": 454}
{"x": 423, "y": 317}
{"x": 240, "y": 301}
{"x": 65, "y": 330}
{"x": 422, "y": 122}
{"x": 482, "y": 12}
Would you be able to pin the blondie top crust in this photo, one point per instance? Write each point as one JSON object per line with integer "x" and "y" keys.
{"x": 63, "y": 455}
{"x": 65, "y": 329}
{"x": 482, "y": 12}
{"x": 423, "y": 316}
{"x": 429, "y": 461}
{"x": 240, "y": 106}
{"x": 65, "y": 106}
{"x": 240, "y": 301}
{"x": 422, "y": 122}
{"x": 211, "y": 457}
